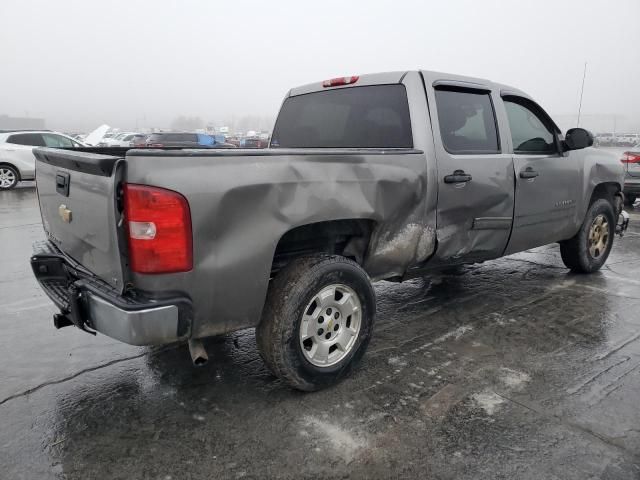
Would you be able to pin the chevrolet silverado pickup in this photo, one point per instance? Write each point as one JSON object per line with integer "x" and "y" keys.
{"x": 383, "y": 176}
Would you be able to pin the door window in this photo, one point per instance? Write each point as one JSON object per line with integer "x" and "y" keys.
{"x": 57, "y": 141}
{"x": 529, "y": 130}
{"x": 467, "y": 122}
{"x": 29, "y": 139}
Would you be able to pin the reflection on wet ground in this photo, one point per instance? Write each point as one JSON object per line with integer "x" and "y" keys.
{"x": 511, "y": 369}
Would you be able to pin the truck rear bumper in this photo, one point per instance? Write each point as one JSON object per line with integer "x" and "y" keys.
{"x": 631, "y": 186}
{"x": 92, "y": 305}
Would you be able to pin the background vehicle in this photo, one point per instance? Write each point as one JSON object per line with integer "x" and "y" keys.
{"x": 631, "y": 162}
{"x": 17, "y": 162}
{"x": 116, "y": 140}
{"x": 123, "y": 140}
{"x": 106, "y": 138}
{"x": 362, "y": 182}
{"x": 183, "y": 139}
{"x": 233, "y": 140}
{"x": 628, "y": 139}
{"x": 253, "y": 142}
{"x": 138, "y": 140}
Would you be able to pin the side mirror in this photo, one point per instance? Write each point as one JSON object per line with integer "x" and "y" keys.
{"x": 577, "y": 139}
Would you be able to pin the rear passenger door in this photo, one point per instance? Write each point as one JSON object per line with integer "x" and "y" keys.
{"x": 475, "y": 175}
{"x": 547, "y": 181}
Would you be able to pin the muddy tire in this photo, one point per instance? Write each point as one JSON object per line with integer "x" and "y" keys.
{"x": 317, "y": 321}
{"x": 9, "y": 177}
{"x": 589, "y": 249}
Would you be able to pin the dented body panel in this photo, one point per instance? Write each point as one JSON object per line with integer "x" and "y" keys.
{"x": 243, "y": 202}
{"x": 239, "y": 220}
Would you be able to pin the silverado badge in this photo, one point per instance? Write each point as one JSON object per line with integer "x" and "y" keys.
{"x": 64, "y": 213}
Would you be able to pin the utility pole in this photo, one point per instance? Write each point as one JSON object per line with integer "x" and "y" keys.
{"x": 584, "y": 75}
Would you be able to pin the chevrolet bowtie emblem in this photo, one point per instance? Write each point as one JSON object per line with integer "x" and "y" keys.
{"x": 65, "y": 213}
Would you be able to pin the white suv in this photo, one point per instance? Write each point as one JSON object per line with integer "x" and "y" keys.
{"x": 17, "y": 162}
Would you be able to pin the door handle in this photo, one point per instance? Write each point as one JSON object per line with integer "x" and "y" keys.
{"x": 528, "y": 173}
{"x": 458, "y": 177}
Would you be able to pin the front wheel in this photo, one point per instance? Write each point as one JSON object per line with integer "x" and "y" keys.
{"x": 317, "y": 321}
{"x": 589, "y": 249}
{"x": 8, "y": 177}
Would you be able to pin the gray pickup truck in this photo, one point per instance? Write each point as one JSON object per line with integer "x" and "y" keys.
{"x": 384, "y": 176}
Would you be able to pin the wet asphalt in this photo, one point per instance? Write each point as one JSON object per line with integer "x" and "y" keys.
{"x": 510, "y": 369}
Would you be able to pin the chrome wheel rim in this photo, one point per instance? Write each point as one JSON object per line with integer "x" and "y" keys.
{"x": 330, "y": 325}
{"x": 7, "y": 178}
{"x": 598, "y": 236}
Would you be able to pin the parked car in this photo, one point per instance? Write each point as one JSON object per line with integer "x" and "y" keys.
{"x": 631, "y": 161}
{"x": 402, "y": 174}
{"x": 116, "y": 140}
{"x": 124, "y": 140}
{"x": 17, "y": 162}
{"x": 253, "y": 142}
{"x": 628, "y": 139}
{"x": 138, "y": 140}
{"x": 106, "y": 139}
{"x": 233, "y": 140}
{"x": 184, "y": 139}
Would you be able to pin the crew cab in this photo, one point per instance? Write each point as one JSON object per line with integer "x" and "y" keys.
{"x": 383, "y": 176}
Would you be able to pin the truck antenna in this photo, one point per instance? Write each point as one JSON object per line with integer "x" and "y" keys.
{"x": 584, "y": 75}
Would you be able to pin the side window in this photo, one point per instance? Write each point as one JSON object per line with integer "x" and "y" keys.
{"x": 529, "y": 132}
{"x": 29, "y": 139}
{"x": 57, "y": 141}
{"x": 467, "y": 122}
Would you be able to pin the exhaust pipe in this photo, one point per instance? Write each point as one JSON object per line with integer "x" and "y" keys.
{"x": 198, "y": 353}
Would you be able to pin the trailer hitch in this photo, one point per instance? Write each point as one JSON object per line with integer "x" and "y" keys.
{"x": 74, "y": 314}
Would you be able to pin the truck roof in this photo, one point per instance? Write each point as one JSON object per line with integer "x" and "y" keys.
{"x": 431, "y": 77}
{"x": 397, "y": 77}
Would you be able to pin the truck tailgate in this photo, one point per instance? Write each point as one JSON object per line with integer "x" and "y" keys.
{"x": 77, "y": 195}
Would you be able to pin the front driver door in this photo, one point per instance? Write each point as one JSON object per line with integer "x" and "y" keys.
{"x": 475, "y": 176}
{"x": 547, "y": 181}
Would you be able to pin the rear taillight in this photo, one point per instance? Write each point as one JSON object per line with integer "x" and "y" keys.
{"x": 337, "y": 82}
{"x": 159, "y": 229}
{"x": 628, "y": 157}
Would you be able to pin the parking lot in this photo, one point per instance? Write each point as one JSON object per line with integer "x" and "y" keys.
{"x": 510, "y": 369}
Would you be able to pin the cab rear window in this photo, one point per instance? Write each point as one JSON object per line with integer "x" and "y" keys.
{"x": 374, "y": 116}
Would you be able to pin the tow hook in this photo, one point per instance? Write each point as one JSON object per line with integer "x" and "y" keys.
{"x": 623, "y": 223}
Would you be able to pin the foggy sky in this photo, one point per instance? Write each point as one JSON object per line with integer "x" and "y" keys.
{"x": 82, "y": 63}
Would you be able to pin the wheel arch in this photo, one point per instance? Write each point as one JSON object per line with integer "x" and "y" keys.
{"x": 611, "y": 191}
{"x": 348, "y": 237}
{"x": 9, "y": 164}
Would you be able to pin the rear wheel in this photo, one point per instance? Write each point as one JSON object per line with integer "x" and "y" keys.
{"x": 589, "y": 249}
{"x": 629, "y": 199}
{"x": 317, "y": 321}
{"x": 8, "y": 177}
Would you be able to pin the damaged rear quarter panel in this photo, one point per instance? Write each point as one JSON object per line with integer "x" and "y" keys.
{"x": 242, "y": 203}
{"x": 598, "y": 167}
